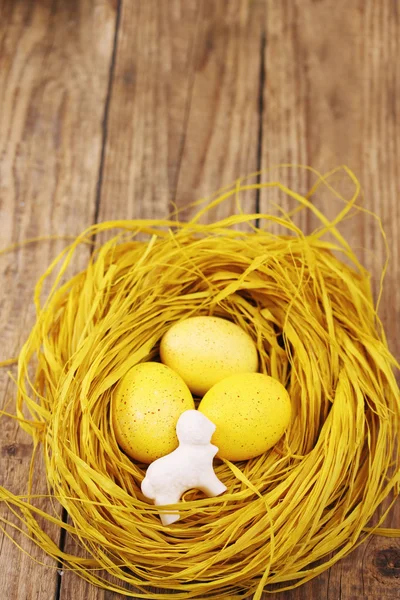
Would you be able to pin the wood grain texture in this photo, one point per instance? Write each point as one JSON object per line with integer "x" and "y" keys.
{"x": 114, "y": 108}
{"x": 52, "y": 66}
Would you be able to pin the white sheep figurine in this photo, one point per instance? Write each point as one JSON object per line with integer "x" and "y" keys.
{"x": 189, "y": 466}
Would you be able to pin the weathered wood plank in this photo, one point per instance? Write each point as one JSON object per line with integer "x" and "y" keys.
{"x": 331, "y": 98}
{"x": 222, "y": 134}
{"x": 53, "y": 64}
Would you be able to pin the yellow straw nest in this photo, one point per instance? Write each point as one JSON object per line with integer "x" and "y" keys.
{"x": 287, "y": 515}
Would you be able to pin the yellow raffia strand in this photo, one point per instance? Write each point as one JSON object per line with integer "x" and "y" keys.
{"x": 287, "y": 515}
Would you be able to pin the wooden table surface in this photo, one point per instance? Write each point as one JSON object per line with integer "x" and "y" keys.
{"x": 115, "y": 108}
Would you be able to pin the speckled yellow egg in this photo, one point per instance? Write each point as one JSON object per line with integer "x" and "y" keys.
{"x": 146, "y": 405}
{"x": 251, "y": 412}
{"x": 205, "y": 350}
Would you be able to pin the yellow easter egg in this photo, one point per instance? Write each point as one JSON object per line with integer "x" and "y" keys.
{"x": 205, "y": 350}
{"x": 251, "y": 412}
{"x": 146, "y": 405}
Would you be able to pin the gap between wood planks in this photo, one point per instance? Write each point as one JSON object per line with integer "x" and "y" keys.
{"x": 262, "y": 82}
{"x": 187, "y": 111}
{"x": 106, "y": 112}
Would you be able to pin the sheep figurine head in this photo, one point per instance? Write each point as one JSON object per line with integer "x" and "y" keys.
{"x": 194, "y": 428}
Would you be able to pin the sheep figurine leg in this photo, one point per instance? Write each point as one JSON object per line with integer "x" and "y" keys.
{"x": 189, "y": 466}
{"x": 213, "y": 486}
{"x": 170, "y": 516}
